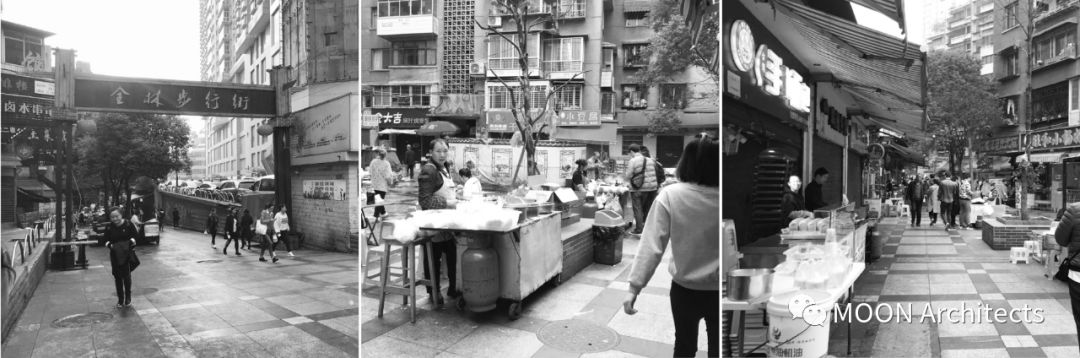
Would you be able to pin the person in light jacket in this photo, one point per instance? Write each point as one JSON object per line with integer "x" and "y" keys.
{"x": 684, "y": 214}
{"x": 281, "y": 227}
{"x": 932, "y": 200}
{"x": 382, "y": 177}
{"x": 642, "y": 196}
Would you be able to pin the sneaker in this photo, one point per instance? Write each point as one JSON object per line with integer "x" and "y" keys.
{"x": 263, "y": 259}
{"x": 119, "y": 305}
{"x": 291, "y": 254}
{"x": 238, "y": 254}
{"x": 213, "y": 246}
{"x": 275, "y": 259}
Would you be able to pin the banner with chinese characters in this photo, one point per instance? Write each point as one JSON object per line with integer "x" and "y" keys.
{"x": 1010, "y": 144}
{"x": 578, "y": 118}
{"x": 325, "y": 190}
{"x": 109, "y": 94}
{"x": 502, "y": 120}
{"x": 1055, "y": 139}
{"x": 401, "y": 118}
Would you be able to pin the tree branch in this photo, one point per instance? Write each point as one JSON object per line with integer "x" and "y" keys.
{"x": 547, "y": 102}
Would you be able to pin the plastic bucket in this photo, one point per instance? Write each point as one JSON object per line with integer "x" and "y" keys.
{"x": 794, "y": 337}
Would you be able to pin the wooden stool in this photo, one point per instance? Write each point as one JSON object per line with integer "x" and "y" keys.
{"x": 409, "y": 280}
{"x": 375, "y": 255}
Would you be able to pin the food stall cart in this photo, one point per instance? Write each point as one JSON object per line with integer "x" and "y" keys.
{"x": 527, "y": 254}
{"x": 772, "y": 251}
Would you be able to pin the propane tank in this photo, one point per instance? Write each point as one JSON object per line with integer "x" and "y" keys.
{"x": 480, "y": 274}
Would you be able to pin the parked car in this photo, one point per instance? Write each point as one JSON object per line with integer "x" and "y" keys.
{"x": 265, "y": 183}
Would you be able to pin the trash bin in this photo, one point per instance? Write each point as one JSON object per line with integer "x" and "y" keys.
{"x": 608, "y": 230}
{"x": 877, "y": 245}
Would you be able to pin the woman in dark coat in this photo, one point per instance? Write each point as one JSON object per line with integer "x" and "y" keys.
{"x": 120, "y": 239}
{"x": 792, "y": 205}
{"x": 246, "y": 230}
{"x": 211, "y": 227}
{"x": 1068, "y": 235}
{"x": 232, "y": 232}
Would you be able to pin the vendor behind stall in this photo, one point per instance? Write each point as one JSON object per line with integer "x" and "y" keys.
{"x": 580, "y": 178}
{"x": 436, "y": 191}
{"x": 814, "y": 199}
{"x": 791, "y": 204}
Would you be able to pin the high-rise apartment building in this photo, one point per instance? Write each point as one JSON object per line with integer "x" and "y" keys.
{"x": 241, "y": 41}
{"x": 966, "y": 26}
{"x": 428, "y": 60}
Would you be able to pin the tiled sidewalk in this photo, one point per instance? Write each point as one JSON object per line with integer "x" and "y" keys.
{"x": 191, "y": 301}
{"x": 931, "y": 266}
{"x": 594, "y": 295}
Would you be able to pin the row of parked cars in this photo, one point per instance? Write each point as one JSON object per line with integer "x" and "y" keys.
{"x": 232, "y": 186}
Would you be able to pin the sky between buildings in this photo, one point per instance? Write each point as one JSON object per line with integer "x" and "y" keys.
{"x": 129, "y": 38}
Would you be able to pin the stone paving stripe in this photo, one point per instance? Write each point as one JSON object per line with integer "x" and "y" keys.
{"x": 1035, "y": 352}
{"x": 971, "y": 342}
{"x": 277, "y": 323}
{"x": 1036, "y": 295}
{"x": 334, "y": 314}
{"x": 392, "y": 318}
{"x": 247, "y": 298}
{"x": 646, "y": 348}
{"x": 279, "y": 312}
{"x": 215, "y": 333}
{"x": 1056, "y": 340}
{"x": 1012, "y": 329}
{"x": 319, "y": 330}
{"x": 582, "y": 279}
{"x": 991, "y": 296}
{"x": 346, "y": 344}
{"x": 549, "y": 352}
{"x": 927, "y": 271}
{"x": 986, "y": 288}
{"x": 179, "y": 307}
{"x": 903, "y": 298}
{"x": 1019, "y": 341}
{"x": 954, "y": 297}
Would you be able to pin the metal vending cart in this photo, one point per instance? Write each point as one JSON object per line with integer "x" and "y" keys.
{"x": 529, "y": 255}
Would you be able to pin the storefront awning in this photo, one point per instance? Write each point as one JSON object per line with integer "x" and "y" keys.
{"x": 1055, "y": 157}
{"x": 398, "y": 131}
{"x": 893, "y": 9}
{"x": 25, "y": 196}
{"x": 906, "y": 154}
{"x": 884, "y": 73}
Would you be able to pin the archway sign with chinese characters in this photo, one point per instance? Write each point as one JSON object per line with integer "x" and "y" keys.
{"x": 132, "y": 95}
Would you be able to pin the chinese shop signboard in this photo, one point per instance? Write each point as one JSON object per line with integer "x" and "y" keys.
{"x": 1055, "y": 139}
{"x": 401, "y": 118}
{"x": 326, "y": 128}
{"x": 578, "y": 118}
{"x": 26, "y": 98}
{"x": 502, "y": 120}
{"x": 109, "y": 94}
{"x": 762, "y": 73}
{"x": 1009, "y": 144}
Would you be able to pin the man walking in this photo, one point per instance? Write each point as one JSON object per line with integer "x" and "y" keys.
{"x": 947, "y": 193}
{"x": 176, "y": 217}
{"x": 641, "y": 174}
{"x": 914, "y": 197}
{"x": 966, "y": 194}
{"x": 410, "y": 160}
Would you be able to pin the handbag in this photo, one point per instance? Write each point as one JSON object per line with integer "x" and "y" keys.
{"x": 133, "y": 260}
{"x": 1063, "y": 269}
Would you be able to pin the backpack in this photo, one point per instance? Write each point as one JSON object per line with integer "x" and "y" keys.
{"x": 661, "y": 176}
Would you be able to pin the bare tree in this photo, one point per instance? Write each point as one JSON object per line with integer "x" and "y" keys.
{"x": 527, "y": 16}
{"x": 1026, "y": 172}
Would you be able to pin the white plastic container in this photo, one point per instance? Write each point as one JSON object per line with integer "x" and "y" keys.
{"x": 790, "y": 335}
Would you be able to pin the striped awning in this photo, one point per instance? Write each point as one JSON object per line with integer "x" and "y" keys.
{"x": 884, "y": 73}
{"x": 893, "y": 9}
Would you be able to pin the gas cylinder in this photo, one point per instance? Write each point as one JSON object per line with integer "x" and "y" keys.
{"x": 588, "y": 210}
{"x": 877, "y": 245}
{"x": 480, "y": 274}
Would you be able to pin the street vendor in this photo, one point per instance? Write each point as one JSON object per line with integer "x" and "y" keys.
{"x": 814, "y": 198}
{"x": 436, "y": 191}
{"x": 792, "y": 205}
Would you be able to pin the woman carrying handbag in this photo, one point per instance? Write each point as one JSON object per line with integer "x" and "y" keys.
{"x": 120, "y": 239}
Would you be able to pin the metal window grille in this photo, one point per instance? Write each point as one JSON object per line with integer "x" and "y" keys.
{"x": 570, "y": 97}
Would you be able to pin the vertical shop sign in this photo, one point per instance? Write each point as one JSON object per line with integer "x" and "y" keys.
{"x": 501, "y": 161}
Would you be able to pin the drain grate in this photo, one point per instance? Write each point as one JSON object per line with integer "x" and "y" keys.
{"x": 578, "y": 336}
{"x": 208, "y": 261}
{"x": 81, "y": 320}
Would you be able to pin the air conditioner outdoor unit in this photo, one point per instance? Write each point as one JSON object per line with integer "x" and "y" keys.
{"x": 494, "y": 20}
{"x": 477, "y": 68}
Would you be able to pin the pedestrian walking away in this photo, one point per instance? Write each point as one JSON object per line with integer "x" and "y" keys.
{"x": 247, "y": 227}
{"x": 120, "y": 240}
{"x": 947, "y": 193}
{"x": 410, "y": 161}
{"x": 641, "y": 174}
{"x": 932, "y": 200}
{"x": 281, "y": 227}
{"x": 176, "y": 217}
{"x": 382, "y": 178}
{"x": 265, "y": 228}
{"x": 914, "y": 195}
{"x": 161, "y": 219}
{"x": 692, "y": 233}
{"x": 211, "y": 227}
{"x": 232, "y": 232}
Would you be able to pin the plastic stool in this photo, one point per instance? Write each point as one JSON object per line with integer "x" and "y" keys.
{"x": 905, "y": 210}
{"x": 409, "y": 281}
{"x": 1019, "y": 254}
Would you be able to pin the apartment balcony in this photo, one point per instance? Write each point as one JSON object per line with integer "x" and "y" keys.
{"x": 391, "y": 27}
{"x": 1066, "y": 54}
{"x": 562, "y": 70}
{"x": 1055, "y": 8}
{"x": 509, "y": 67}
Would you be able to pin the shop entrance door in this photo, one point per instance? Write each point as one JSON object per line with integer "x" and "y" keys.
{"x": 1071, "y": 180}
{"x": 668, "y": 150}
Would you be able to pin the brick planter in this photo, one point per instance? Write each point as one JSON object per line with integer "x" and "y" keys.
{"x": 1011, "y": 233}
